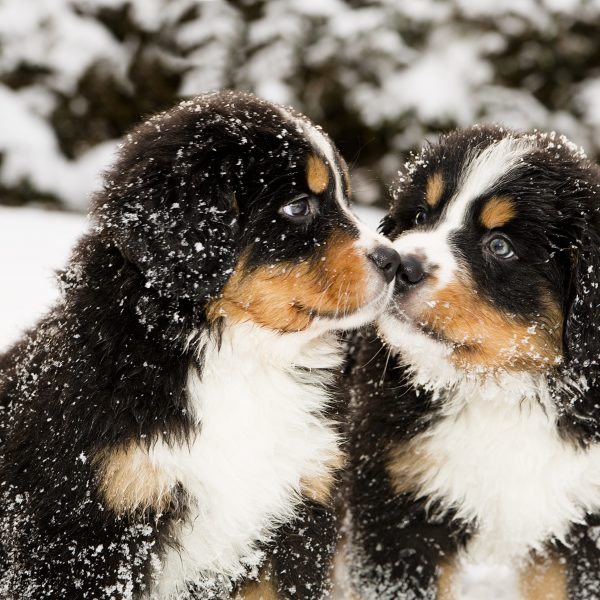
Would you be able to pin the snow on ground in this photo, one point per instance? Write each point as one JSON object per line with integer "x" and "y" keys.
{"x": 35, "y": 243}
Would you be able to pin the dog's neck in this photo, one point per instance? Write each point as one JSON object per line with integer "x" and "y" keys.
{"x": 258, "y": 347}
{"x": 495, "y": 455}
{"x": 259, "y": 400}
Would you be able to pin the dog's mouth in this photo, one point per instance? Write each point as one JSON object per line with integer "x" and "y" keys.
{"x": 484, "y": 341}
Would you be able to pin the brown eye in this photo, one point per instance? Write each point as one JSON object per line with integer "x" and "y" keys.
{"x": 300, "y": 208}
{"x": 420, "y": 217}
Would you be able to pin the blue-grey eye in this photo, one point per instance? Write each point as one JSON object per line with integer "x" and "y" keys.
{"x": 300, "y": 207}
{"x": 420, "y": 217}
{"x": 501, "y": 247}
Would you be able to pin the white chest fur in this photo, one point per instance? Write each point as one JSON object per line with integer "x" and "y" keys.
{"x": 499, "y": 461}
{"x": 261, "y": 430}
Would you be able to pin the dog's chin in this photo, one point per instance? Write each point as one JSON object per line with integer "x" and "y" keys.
{"x": 368, "y": 313}
{"x": 401, "y": 331}
{"x": 434, "y": 360}
{"x": 426, "y": 353}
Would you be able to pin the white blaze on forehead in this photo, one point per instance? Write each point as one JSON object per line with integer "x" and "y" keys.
{"x": 495, "y": 163}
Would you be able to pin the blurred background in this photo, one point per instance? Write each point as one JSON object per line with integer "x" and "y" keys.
{"x": 381, "y": 76}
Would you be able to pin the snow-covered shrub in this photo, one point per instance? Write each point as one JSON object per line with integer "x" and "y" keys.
{"x": 379, "y": 75}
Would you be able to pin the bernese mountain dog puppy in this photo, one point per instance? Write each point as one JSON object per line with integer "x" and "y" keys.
{"x": 166, "y": 430}
{"x": 476, "y": 414}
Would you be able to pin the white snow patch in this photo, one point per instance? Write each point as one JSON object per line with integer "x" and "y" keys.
{"x": 33, "y": 244}
{"x": 30, "y": 151}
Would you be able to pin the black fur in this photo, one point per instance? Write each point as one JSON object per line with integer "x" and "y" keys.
{"x": 398, "y": 542}
{"x": 191, "y": 190}
{"x": 395, "y": 542}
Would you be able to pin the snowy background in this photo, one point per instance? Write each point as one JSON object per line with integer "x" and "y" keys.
{"x": 33, "y": 245}
{"x": 380, "y": 75}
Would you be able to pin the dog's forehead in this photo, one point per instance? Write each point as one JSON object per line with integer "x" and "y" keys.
{"x": 459, "y": 184}
{"x": 323, "y": 162}
{"x": 471, "y": 178}
{"x": 288, "y": 135}
{"x": 485, "y": 174}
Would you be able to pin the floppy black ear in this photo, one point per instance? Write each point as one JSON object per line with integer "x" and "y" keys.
{"x": 170, "y": 209}
{"x": 577, "y": 387}
{"x": 582, "y": 318}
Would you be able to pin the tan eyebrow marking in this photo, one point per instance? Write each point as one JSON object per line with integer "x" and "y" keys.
{"x": 498, "y": 211}
{"x": 434, "y": 189}
{"x": 317, "y": 174}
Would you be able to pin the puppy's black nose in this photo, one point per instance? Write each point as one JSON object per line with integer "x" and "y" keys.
{"x": 387, "y": 261}
{"x": 411, "y": 270}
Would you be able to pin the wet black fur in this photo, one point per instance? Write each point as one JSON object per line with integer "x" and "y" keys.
{"x": 191, "y": 189}
{"x": 397, "y": 543}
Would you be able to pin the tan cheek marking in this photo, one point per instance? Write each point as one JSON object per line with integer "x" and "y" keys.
{"x": 320, "y": 489}
{"x": 498, "y": 211}
{"x": 434, "y": 189}
{"x": 544, "y": 579}
{"x": 317, "y": 174}
{"x": 287, "y": 296}
{"x": 487, "y": 337}
{"x": 262, "y": 589}
{"x": 129, "y": 481}
{"x": 266, "y": 296}
{"x": 344, "y": 274}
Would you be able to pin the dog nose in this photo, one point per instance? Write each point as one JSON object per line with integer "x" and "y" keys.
{"x": 386, "y": 260}
{"x": 411, "y": 270}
